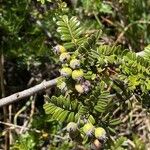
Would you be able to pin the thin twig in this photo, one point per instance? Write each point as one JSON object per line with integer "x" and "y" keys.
{"x": 32, "y": 111}
{"x": 29, "y": 121}
{"x": 97, "y": 19}
{"x": 128, "y": 26}
{"x": 26, "y": 93}
{"x": 108, "y": 21}
{"x": 13, "y": 126}
{"x": 22, "y": 109}
{"x": 10, "y": 120}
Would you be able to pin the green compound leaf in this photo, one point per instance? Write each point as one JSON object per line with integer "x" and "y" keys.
{"x": 70, "y": 31}
{"x": 63, "y": 109}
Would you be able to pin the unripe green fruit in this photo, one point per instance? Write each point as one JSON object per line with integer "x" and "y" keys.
{"x": 77, "y": 74}
{"x": 79, "y": 88}
{"x": 74, "y": 63}
{"x": 88, "y": 129}
{"x": 64, "y": 57}
{"x": 74, "y": 132}
{"x": 59, "y": 49}
{"x": 66, "y": 72}
{"x": 100, "y": 133}
{"x": 72, "y": 126}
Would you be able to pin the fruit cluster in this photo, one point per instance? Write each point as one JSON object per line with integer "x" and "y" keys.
{"x": 71, "y": 68}
{"x": 97, "y": 135}
{"x": 72, "y": 72}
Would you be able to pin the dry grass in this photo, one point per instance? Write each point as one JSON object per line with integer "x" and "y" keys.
{"x": 136, "y": 121}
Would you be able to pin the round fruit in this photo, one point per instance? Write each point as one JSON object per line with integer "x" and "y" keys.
{"x": 88, "y": 129}
{"x": 79, "y": 88}
{"x": 66, "y": 72}
{"x": 100, "y": 133}
{"x": 96, "y": 145}
{"x": 64, "y": 57}
{"x": 77, "y": 74}
{"x": 74, "y": 63}
{"x": 59, "y": 49}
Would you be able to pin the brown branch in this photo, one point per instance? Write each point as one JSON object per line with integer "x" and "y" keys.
{"x": 26, "y": 93}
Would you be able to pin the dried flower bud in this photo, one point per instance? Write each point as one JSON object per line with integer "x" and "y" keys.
{"x": 86, "y": 86}
{"x": 87, "y": 83}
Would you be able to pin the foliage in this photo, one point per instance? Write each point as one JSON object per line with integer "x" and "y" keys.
{"x": 114, "y": 68}
{"x": 103, "y": 80}
{"x": 136, "y": 10}
{"x": 26, "y": 142}
{"x": 25, "y": 34}
{"x": 119, "y": 143}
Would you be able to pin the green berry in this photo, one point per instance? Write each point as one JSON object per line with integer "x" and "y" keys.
{"x": 88, "y": 129}
{"x": 74, "y": 63}
{"x": 74, "y": 132}
{"x": 64, "y": 57}
{"x": 72, "y": 126}
{"x": 66, "y": 72}
{"x": 77, "y": 74}
{"x": 100, "y": 133}
{"x": 59, "y": 49}
{"x": 79, "y": 88}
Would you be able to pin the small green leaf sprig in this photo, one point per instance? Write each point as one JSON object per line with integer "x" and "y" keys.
{"x": 92, "y": 80}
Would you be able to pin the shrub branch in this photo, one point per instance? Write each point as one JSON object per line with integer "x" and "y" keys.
{"x": 28, "y": 92}
{"x": 31, "y": 91}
